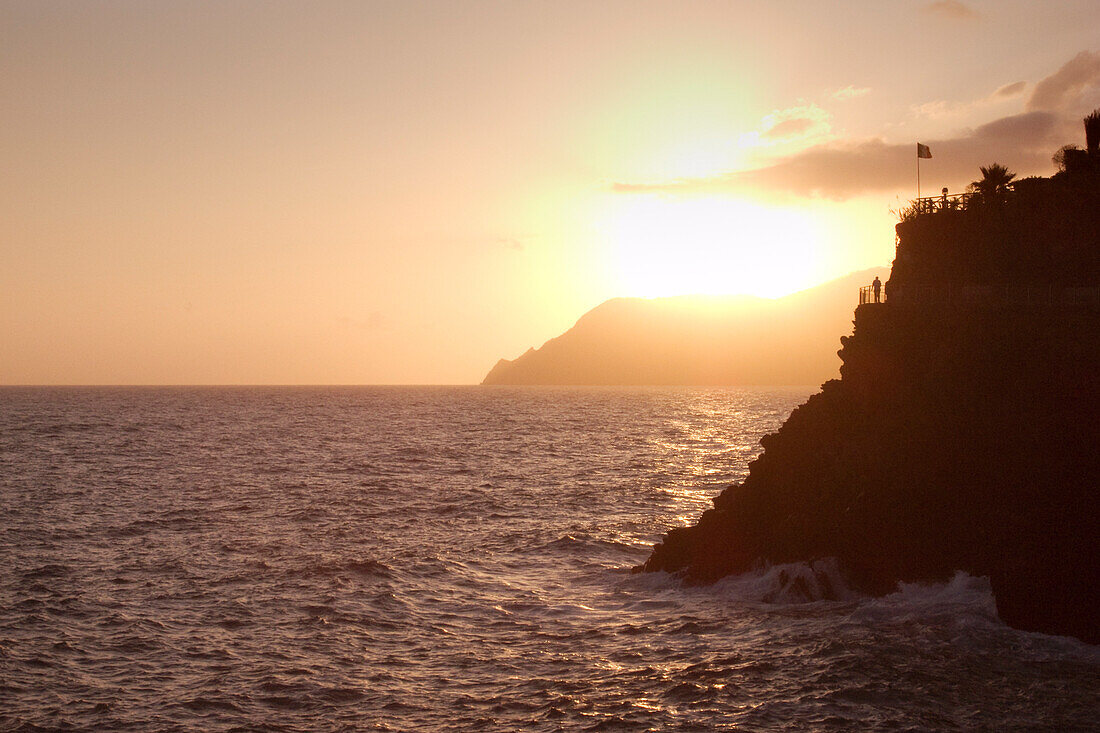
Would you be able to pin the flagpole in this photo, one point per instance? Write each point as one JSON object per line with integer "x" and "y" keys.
{"x": 922, "y": 152}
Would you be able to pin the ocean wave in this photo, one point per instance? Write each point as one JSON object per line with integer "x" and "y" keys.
{"x": 582, "y": 543}
{"x": 779, "y": 585}
{"x": 49, "y": 570}
{"x": 964, "y": 599}
{"x": 367, "y": 568}
{"x": 790, "y": 584}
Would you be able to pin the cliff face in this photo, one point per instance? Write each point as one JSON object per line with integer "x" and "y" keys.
{"x": 695, "y": 340}
{"x": 962, "y": 435}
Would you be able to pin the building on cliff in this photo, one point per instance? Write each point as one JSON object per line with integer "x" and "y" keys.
{"x": 962, "y": 434}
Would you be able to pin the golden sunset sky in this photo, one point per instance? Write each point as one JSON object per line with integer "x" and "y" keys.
{"x": 239, "y": 192}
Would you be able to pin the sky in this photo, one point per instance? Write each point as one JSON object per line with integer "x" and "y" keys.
{"x": 403, "y": 192}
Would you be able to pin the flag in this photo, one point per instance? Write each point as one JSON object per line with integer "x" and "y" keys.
{"x": 923, "y": 151}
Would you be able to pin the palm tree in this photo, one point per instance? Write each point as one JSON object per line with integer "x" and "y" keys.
{"x": 1092, "y": 132}
{"x": 994, "y": 182}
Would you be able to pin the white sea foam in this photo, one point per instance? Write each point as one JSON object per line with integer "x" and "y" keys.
{"x": 790, "y": 583}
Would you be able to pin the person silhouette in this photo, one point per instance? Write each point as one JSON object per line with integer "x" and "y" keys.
{"x": 877, "y": 287}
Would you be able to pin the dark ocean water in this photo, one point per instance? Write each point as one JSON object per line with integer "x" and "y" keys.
{"x": 452, "y": 559}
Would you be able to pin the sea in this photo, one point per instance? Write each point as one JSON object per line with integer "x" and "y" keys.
{"x": 453, "y": 559}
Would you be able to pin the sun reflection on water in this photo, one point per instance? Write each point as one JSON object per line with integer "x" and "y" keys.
{"x": 708, "y": 445}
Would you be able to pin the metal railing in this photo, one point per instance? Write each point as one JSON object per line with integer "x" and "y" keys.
{"x": 867, "y": 295}
{"x": 943, "y": 202}
{"x": 988, "y": 295}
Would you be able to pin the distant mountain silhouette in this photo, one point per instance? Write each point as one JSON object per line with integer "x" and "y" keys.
{"x": 697, "y": 340}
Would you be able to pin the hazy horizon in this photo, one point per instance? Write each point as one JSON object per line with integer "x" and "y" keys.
{"x": 402, "y": 193}
{"x": 712, "y": 305}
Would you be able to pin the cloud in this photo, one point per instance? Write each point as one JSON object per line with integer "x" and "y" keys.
{"x": 941, "y": 109}
{"x": 1076, "y": 83}
{"x": 840, "y": 169}
{"x": 849, "y": 92}
{"x": 789, "y": 128}
{"x": 1019, "y": 129}
{"x": 950, "y": 9}
{"x": 1010, "y": 90}
{"x": 938, "y": 109}
{"x": 803, "y": 123}
{"x": 845, "y": 169}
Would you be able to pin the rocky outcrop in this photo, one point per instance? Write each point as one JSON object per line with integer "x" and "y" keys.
{"x": 962, "y": 435}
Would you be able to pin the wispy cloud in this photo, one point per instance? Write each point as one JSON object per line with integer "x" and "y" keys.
{"x": 1010, "y": 90}
{"x": 802, "y": 124}
{"x": 849, "y": 92}
{"x": 952, "y": 9}
{"x": 848, "y": 168}
{"x": 941, "y": 109}
{"x": 789, "y": 128}
{"x": 843, "y": 168}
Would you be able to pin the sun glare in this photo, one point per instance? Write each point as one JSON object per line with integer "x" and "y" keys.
{"x": 701, "y": 157}
{"x": 710, "y": 245}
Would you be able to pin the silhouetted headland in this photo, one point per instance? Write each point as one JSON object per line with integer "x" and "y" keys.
{"x": 698, "y": 340}
{"x": 963, "y": 433}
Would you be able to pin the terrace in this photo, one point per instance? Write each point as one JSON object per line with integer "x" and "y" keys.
{"x": 943, "y": 202}
{"x": 1036, "y": 296}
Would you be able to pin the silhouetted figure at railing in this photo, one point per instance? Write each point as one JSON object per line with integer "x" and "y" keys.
{"x": 869, "y": 294}
{"x": 943, "y": 202}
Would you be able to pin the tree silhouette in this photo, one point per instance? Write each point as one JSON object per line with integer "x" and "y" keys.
{"x": 993, "y": 183}
{"x": 1092, "y": 132}
{"x": 1059, "y": 158}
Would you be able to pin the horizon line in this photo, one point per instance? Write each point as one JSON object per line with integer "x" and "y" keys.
{"x": 349, "y": 384}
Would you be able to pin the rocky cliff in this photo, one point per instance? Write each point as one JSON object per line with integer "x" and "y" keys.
{"x": 963, "y": 432}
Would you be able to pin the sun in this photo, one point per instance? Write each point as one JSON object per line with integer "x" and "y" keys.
{"x": 664, "y": 245}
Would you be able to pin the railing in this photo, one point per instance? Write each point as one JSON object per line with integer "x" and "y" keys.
{"x": 953, "y": 202}
{"x": 989, "y": 295}
{"x": 867, "y": 295}
{"x": 943, "y": 202}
